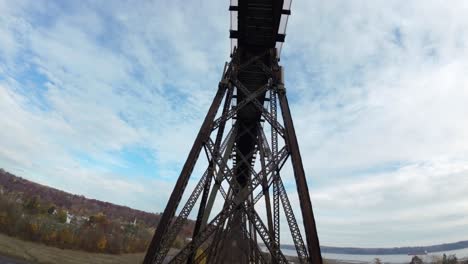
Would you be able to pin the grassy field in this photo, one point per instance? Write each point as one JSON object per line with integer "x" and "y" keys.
{"x": 38, "y": 253}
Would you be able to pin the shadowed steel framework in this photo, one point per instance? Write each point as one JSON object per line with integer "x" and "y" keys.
{"x": 247, "y": 137}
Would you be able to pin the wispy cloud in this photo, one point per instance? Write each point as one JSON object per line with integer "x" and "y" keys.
{"x": 91, "y": 89}
{"x": 105, "y": 100}
{"x": 385, "y": 146}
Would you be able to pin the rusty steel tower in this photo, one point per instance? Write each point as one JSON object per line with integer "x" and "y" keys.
{"x": 247, "y": 136}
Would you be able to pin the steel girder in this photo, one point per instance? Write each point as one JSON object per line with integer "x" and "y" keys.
{"x": 240, "y": 216}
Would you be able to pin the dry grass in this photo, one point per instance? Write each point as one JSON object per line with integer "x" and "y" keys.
{"x": 36, "y": 253}
{"x": 39, "y": 253}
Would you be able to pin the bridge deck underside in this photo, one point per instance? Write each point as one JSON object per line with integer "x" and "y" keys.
{"x": 258, "y": 22}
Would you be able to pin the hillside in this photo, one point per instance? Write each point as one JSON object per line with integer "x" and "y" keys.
{"x": 75, "y": 204}
{"x": 80, "y": 205}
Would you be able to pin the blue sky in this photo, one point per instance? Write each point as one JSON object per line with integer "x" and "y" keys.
{"x": 104, "y": 99}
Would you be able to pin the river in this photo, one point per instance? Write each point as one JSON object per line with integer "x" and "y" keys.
{"x": 460, "y": 253}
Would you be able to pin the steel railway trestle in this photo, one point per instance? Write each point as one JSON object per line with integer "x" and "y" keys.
{"x": 246, "y": 145}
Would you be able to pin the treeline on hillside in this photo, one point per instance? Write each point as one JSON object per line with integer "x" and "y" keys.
{"x": 444, "y": 259}
{"x": 39, "y": 221}
{"x": 76, "y": 204}
{"x": 434, "y": 259}
{"x": 30, "y": 216}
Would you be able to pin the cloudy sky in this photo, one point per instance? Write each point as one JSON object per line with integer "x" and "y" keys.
{"x": 104, "y": 99}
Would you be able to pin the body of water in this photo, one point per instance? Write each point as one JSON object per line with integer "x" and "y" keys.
{"x": 460, "y": 253}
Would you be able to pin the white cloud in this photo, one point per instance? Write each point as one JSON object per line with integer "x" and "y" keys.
{"x": 100, "y": 97}
{"x": 384, "y": 148}
{"x": 425, "y": 201}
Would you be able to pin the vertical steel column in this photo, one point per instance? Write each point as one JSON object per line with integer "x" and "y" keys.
{"x": 265, "y": 187}
{"x": 211, "y": 169}
{"x": 274, "y": 150}
{"x": 213, "y": 254}
{"x": 219, "y": 177}
{"x": 184, "y": 177}
{"x": 301, "y": 182}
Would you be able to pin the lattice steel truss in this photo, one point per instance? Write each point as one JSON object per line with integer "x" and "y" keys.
{"x": 245, "y": 156}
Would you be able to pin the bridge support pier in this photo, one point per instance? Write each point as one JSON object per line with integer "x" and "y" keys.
{"x": 244, "y": 167}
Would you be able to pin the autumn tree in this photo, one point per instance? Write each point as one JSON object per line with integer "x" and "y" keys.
{"x": 452, "y": 259}
{"x": 65, "y": 238}
{"x": 51, "y": 210}
{"x": 101, "y": 243}
{"x": 115, "y": 243}
{"x": 416, "y": 260}
{"x": 32, "y": 205}
{"x": 32, "y": 230}
{"x": 436, "y": 259}
{"x": 99, "y": 218}
{"x": 178, "y": 243}
{"x": 62, "y": 216}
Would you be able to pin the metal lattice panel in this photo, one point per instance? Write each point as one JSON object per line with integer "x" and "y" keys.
{"x": 244, "y": 164}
